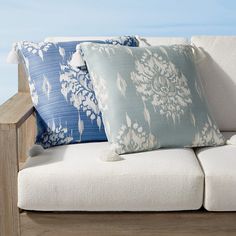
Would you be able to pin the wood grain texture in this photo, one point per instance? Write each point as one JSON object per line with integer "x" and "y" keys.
{"x": 197, "y": 223}
{"x": 23, "y": 85}
{"x": 9, "y": 213}
{"x": 13, "y": 114}
{"x": 15, "y": 111}
{"x": 26, "y": 137}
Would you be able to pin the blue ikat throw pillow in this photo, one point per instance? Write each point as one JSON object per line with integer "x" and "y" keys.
{"x": 150, "y": 97}
{"x": 66, "y": 107}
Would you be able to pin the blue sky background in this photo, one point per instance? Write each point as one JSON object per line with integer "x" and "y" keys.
{"x": 36, "y": 19}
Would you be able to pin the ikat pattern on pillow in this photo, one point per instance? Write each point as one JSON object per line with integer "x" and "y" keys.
{"x": 66, "y": 107}
{"x": 150, "y": 97}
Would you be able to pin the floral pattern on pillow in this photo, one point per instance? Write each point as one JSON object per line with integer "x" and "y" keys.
{"x": 66, "y": 106}
{"x": 154, "y": 101}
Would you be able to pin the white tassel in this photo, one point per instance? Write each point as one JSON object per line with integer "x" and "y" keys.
{"x": 77, "y": 60}
{"x": 142, "y": 41}
{"x": 110, "y": 155}
{"x": 199, "y": 54}
{"x": 35, "y": 150}
{"x": 232, "y": 140}
{"x": 13, "y": 57}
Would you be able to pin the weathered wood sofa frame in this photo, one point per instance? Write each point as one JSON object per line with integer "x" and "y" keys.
{"x": 17, "y": 130}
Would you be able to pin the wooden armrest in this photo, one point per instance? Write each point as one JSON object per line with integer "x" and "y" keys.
{"x": 15, "y": 111}
{"x": 14, "y": 136}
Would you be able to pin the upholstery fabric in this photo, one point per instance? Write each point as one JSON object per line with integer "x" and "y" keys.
{"x": 218, "y": 164}
{"x": 143, "y": 41}
{"x": 74, "y": 38}
{"x": 66, "y": 106}
{"x": 156, "y": 41}
{"x": 150, "y": 97}
{"x": 73, "y": 178}
{"x": 218, "y": 73}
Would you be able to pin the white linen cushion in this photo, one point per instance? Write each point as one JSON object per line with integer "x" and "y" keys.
{"x": 218, "y": 72}
{"x": 219, "y": 166}
{"x": 73, "y": 178}
{"x": 156, "y": 41}
{"x": 79, "y": 38}
{"x": 143, "y": 41}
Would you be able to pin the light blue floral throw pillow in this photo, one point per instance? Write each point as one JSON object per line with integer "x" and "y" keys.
{"x": 150, "y": 97}
{"x": 64, "y": 99}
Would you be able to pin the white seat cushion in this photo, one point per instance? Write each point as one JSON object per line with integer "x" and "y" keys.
{"x": 218, "y": 73}
{"x": 73, "y": 178}
{"x": 219, "y": 166}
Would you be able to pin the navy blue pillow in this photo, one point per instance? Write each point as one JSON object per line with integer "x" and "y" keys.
{"x": 66, "y": 107}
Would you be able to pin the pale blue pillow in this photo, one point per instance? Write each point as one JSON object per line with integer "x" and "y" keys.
{"x": 150, "y": 97}
{"x": 64, "y": 99}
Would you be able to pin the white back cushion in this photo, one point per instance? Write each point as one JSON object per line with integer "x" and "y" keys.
{"x": 218, "y": 73}
{"x": 68, "y": 39}
{"x": 155, "y": 41}
{"x": 143, "y": 41}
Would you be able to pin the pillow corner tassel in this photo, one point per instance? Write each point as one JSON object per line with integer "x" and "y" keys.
{"x": 231, "y": 141}
{"x": 110, "y": 155}
{"x": 77, "y": 60}
{"x": 13, "y": 57}
{"x": 199, "y": 54}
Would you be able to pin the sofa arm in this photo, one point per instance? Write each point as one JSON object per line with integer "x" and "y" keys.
{"x": 13, "y": 116}
{"x": 15, "y": 111}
